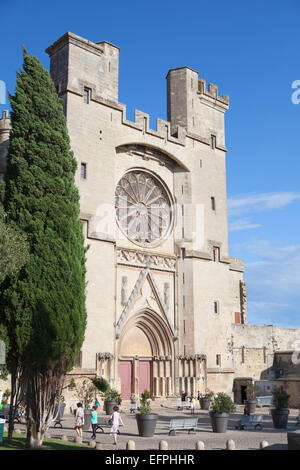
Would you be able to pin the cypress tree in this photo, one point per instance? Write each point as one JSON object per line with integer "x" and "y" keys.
{"x": 13, "y": 248}
{"x": 43, "y": 305}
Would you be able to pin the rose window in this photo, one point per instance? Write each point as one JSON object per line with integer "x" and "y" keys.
{"x": 143, "y": 207}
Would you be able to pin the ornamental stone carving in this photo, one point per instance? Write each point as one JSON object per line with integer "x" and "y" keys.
{"x": 124, "y": 288}
{"x": 141, "y": 259}
{"x": 167, "y": 295}
{"x": 243, "y": 297}
{"x": 143, "y": 208}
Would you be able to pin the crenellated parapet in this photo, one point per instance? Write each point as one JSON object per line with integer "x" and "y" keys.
{"x": 79, "y": 66}
{"x": 211, "y": 94}
{"x": 163, "y": 128}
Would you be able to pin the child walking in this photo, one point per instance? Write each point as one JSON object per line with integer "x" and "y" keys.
{"x": 79, "y": 419}
{"x": 116, "y": 421}
{"x": 94, "y": 421}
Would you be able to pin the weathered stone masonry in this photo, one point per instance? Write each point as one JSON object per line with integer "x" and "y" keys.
{"x": 166, "y": 303}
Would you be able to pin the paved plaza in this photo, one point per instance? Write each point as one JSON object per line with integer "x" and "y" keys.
{"x": 244, "y": 440}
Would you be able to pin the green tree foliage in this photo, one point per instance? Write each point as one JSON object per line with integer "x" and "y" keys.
{"x": 85, "y": 393}
{"x": 43, "y": 305}
{"x": 13, "y": 248}
{"x": 223, "y": 403}
{"x": 101, "y": 384}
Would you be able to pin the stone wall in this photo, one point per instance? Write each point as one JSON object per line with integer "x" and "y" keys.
{"x": 254, "y": 347}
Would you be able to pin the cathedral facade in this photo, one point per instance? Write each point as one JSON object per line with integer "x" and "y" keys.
{"x": 162, "y": 289}
{"x": 166, "y": 302}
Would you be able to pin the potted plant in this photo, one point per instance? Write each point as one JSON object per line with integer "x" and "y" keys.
{"x": 146, "y": 420}
{"x": 101, "y": 384}
{"x": 206, "y": 399}
{"x": 280, "y": 412}
{"x": 221, "y": 407}
{"x": 111, "y": 398}
{"x": 251, "y": 401}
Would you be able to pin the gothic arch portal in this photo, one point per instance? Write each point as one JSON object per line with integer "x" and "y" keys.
{"x": 146, "y": 355}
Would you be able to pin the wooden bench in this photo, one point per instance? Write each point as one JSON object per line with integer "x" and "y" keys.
{"x": 58, "y": 413}
{"x": 178, "y": 424}
{"x": 183, "y": 404}
{"x": 252, "y": 420}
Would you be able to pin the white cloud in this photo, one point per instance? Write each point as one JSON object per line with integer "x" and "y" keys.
{"x": 241, "y": 224}
{"x": 273, "y": 283}
{"x": 238, "y": 205}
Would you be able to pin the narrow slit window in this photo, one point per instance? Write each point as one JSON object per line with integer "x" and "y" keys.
{"x": 213, "y": 203}
{"x": 212, "y": 142}
{"x": 216, "y": 254}
{"x": 216, "y": 306}
{"x": 83, "y": 170}
{"x": 218, "y": 359}
{"x": 86, "y": 96}
{"x": 265, "y": 355}
{"x": 243, "y": 354}
{"x": 78, "y": 360}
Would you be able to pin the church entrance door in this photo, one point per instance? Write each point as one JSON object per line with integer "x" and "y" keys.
{"x": 126, "y": 379}
{"x": 144, "y": 376}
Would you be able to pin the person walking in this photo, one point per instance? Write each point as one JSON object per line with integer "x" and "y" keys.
{"x": 79, "y": 420}
{"x": 199, "y": 396}
{"x": 192, "y": 403}
{"x": 116, "y": 421}
{"x": 183, "y": 395}
{"x": 132, "y": 403}
{"x": 97, "y": 404}
{"x": 94, "y": 421}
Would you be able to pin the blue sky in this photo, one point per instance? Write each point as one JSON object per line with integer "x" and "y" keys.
{"x": 250, "y": 49}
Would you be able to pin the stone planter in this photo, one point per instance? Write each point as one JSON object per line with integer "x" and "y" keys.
{"x": 293, "y": 440}
{"x": 219, "y": 421}
{"x": 251, "y": 406}
{"x": 280, "y": 418}
{"x": 109, "y": 407}
{"x": 146, "y": 424}
{"x": 204, "y": 403}
{"x": 87, "y": 420}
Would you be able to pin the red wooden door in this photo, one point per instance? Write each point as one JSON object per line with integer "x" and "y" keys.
{"x": 144, "y": 376}
{"x": 126, "y": 379}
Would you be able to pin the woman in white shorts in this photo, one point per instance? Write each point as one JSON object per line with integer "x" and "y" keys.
{"x": 116, "y": 421}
